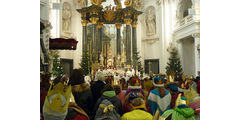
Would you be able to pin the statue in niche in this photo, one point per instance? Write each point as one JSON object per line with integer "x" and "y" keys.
{"x": 150, "y": 23}
{"x": 82, "y": 3}
{"x": 66, "y": 17}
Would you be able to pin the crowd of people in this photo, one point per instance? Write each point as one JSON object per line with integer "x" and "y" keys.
{"x": 119, "y": 97}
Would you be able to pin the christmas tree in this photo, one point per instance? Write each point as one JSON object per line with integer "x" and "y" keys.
{"x": 57, "y": 68}
{"x": 174, "y": 63}
{"x": 85, "y": 63}
{"x": 137, "y": 62}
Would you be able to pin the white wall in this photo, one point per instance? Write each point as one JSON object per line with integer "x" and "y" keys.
{"x": 76, "y": 27}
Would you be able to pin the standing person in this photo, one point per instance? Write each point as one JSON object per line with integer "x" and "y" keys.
{"x": 180, "y": 112}
{"x": 159, "y": 98}
{"x": 134, "y": 91}
{"x": 57, "y": 100}
{"x": 44, "y": 86}
{"x": 81, "y": 91}
{"x": 139, "y": 112}
{"x": 198, "y": 77}
{"x": 109, "y": 94}
{"x": 98, "y": 85}
{"x": 119, "y": 93}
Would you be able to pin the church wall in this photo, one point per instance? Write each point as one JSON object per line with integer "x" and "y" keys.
{"x": 76, "y": 29}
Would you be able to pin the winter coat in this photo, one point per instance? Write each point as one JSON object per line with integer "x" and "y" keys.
{"x": 83, "y": 97}
{"x": 96, "y": 89}
{"x": 113, "y": 99}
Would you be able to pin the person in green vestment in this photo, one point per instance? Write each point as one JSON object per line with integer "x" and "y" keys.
{"x": 180, "y": 112}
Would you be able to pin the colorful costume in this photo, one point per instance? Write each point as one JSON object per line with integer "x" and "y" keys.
{"x": 180, "y": 112}
{"x": 56, "y": 102}
{"x": 156, "y": 101}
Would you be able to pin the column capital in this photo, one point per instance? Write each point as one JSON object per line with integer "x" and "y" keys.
{"x": 118, "y": 25}
{"x": 196, "y": 35}
{"x": 128, "y": 21}
{"x": 84, "y": 22}
{"x": 94, "y": 20}
{"x": 99, "y": 24}
{"x": 134, "y": 24}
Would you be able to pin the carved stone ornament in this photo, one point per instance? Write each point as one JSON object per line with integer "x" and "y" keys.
{"x": 151, "y": 41}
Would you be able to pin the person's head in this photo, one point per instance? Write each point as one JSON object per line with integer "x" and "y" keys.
{"x": 198, "y": 73}
{"x": 117, "y": 89}
{"x": 107, "y": 87}
{"x": 76, "y": 77}
{"x": 100, "y": 76}
{"x": 138, "y": 103}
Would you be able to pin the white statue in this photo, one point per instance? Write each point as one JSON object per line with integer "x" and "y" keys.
{"x": 66, "y": 17}
{"x": 150, "y": 22}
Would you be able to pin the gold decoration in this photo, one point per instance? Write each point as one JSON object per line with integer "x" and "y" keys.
{"x": 106, "y": 108}
{"x": 84, "y": 22}
{"x": 128, "y": 21}
{"x": 179, "y": 101}
{"x": 99, "y": 24}
{"x": 97, "y": 2}
{"x": 134, "y": 24}
{"x": 109, "y": 13}
{"x": 118, "y": 4}
{"x": 94, "y": 20}
{"x": 118, "y": 25}
{"x": 128, "y": 3}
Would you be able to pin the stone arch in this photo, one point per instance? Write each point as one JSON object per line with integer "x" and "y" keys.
{"x": 182, "y": 8}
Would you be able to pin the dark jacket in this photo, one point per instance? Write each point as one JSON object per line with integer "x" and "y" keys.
{"x": 96, "y": 89}
{"x": 83, "y": 97}
{"x": 114, "y": 100}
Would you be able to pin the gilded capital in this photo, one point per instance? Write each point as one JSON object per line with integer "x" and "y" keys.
{"x": 128, "y": 21}
{"x": 118, "y": 25}
{"x": 94, "y": 20}
{"x": 84, "y": 22}
{"x": 134, "y": 24}
{"x": 99, "y": 24}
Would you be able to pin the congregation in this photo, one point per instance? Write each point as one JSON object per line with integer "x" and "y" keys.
{"x": 119, "y": 96}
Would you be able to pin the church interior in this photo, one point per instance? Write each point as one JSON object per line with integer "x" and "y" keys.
{"x": 120, "y": 34}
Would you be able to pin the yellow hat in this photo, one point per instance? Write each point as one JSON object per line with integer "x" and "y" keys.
{"x": 57, "y": 99}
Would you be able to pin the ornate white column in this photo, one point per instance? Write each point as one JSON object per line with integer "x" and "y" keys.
{"x": 196, "y": 37}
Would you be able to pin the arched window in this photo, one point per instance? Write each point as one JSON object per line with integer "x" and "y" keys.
{"x": 187, "y": 5}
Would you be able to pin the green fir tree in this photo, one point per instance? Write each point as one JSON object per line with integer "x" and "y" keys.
{"x": 57, "y": 68}
{"x": 85, "y": 63}
{"x": 137, "y": 62}
{"x": 174, "y": 63}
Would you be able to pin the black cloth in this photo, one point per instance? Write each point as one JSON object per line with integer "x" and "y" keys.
{"x": 96, "y": 89}
{"x": 84, "y": 100}
{"x": 197, "y": 79}
{"x": 114, "y": 100}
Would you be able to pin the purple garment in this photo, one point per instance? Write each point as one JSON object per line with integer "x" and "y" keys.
{"x": 129, "y": 90}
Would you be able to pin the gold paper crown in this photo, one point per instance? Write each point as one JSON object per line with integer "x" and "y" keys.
{"x": 171, "y": 79}
{"x": 60, "y": 97}
{"x": 183, "y": 77}
{"x": 180, "y": 101}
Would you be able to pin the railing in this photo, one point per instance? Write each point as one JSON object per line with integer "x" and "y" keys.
{"x": 186, "y": 20}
